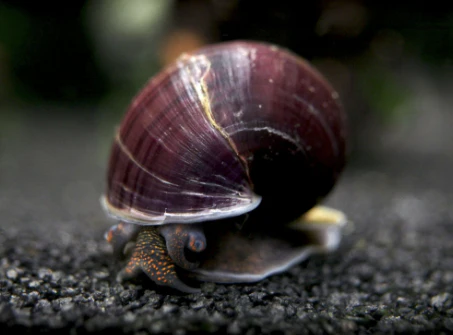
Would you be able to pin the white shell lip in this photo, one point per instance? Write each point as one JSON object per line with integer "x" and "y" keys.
{"x": 138, "y": 217}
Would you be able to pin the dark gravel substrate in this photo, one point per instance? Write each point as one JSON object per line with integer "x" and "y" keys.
{"x": 392, "y": 274}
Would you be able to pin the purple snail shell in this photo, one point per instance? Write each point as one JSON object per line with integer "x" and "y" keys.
{"x": 219, "y": 164}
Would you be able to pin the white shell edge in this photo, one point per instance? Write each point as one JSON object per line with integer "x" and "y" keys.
{"x": 141, "y": 218}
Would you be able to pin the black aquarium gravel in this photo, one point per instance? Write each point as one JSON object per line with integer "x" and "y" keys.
{"x": 392, "y": 274}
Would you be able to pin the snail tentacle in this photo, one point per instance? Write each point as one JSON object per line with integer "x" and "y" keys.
{"x": 119, "y": 235}
{"x": 178, "y": 238}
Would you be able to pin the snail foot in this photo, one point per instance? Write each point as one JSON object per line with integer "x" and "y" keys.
{"x": 250, "y": 255}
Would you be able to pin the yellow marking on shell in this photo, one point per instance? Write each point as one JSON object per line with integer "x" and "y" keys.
{"x": 201, "y": 88}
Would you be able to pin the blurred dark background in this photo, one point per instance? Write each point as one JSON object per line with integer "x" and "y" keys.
{"x": 390, "y": 61}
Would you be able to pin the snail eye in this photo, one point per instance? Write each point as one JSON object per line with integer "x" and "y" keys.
{"x": 197, "y": 243}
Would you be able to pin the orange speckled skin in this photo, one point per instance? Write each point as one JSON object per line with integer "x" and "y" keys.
{"x": 150, "y": 255}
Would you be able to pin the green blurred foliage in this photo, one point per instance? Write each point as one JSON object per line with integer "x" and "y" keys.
{"x": 48, "y": 56}
{"x": 384, "y": 92}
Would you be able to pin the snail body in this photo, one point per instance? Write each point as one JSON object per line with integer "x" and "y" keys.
{"x": 219, "y": 163}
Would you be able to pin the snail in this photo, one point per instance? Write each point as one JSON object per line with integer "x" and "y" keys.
{"x": 219, "y": 166}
